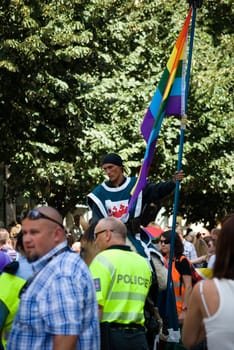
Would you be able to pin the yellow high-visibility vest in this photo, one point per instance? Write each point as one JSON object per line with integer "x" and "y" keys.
{"x": 122, "y": 279}
{"x": 10, "y": 286}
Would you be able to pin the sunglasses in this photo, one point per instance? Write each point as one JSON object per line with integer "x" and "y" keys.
{"x": 36, "y": 215}
{"x": 164, "y": 241}
{"x": 99, "y": 232}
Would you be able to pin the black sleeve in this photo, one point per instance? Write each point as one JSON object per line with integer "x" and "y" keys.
{"x": 183, "y": 267}
{"x": 154, "y": 192}
{"x": 11, "y": 268}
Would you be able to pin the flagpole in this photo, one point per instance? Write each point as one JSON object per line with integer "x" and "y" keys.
{"x": 180, "y": 154}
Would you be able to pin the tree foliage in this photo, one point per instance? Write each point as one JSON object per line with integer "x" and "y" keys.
{"x": 76, "y": 79}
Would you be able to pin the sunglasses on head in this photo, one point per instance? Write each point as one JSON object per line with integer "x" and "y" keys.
{"x": 36, "y": 214}
{"x": 165, "y": 241}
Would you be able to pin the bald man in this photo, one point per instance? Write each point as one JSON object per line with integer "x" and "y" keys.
{"x": 122, "y": 280}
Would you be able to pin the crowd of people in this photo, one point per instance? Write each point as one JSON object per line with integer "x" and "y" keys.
{"x": 103, "y": 292}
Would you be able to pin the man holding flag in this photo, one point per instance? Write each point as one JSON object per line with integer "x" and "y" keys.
{"x": 111, "y": 198}
{"x": 126, "y": 197}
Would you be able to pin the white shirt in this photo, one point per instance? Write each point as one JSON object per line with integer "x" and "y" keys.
{"x": 219, "y": 326}
{"x": 211, "y": 262}
{"x": 189, "y": 250}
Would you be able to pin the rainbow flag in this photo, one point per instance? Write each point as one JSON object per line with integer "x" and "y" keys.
{"x": 168, "y": 99}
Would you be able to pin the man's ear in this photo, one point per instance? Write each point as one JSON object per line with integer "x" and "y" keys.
{"x": 108, "y": 235}
{"x": 59, "y": 234}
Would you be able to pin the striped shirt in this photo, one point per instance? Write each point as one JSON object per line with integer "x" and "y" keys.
{"x": 60, "y": 300}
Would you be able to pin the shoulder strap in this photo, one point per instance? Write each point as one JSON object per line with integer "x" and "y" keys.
{"x": 30, "y": 280}
{"x": 203, "y": 299}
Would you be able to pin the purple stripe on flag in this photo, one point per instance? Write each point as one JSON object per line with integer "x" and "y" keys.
{"x": 173, "y": 105}
{"x": 142, "y": 178}
{"x": 147, "y": 125}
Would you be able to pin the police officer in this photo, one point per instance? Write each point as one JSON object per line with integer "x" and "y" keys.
{"x": 122, "y": 280}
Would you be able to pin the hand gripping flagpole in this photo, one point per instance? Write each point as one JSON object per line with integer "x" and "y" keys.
{"x": 194, "y": 4}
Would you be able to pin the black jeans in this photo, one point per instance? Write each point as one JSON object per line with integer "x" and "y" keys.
{"x": 127, "y": 339}
{"x": 122, "y": 338}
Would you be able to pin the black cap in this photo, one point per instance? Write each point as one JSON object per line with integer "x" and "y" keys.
{"x": 112, "y": 158}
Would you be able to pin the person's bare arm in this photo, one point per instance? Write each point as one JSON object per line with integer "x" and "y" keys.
{"x": 187, "y": 280}
{"x": 65, "y": 342}
{"x": 199, "y": 259}
{"x": 193, "y": 330}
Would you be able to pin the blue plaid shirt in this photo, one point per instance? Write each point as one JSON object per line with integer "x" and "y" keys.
{"x": 60, "y": 300}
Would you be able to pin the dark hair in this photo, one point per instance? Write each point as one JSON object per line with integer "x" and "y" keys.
{"x": 89, "y": 232}
{"x": 188, "y": 231}
{"x": 178, "y": 247}
{"x": 19, "y": 242}
{"x": 224, "y": 261}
